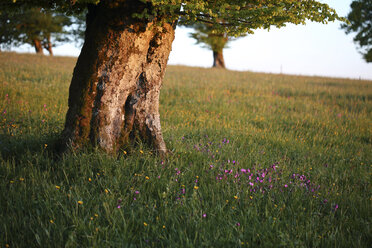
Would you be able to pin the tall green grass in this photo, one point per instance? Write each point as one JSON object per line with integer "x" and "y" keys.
{"x": 258, "y": 160}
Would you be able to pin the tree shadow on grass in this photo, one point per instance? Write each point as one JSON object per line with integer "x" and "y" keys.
{"x": 17, "y": 147}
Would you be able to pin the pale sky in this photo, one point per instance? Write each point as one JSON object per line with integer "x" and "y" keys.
{"x": 313, "y": 49}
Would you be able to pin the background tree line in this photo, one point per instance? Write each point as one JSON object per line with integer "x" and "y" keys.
{"x": 40, "y": 28}
{"x": 44, "y": 29}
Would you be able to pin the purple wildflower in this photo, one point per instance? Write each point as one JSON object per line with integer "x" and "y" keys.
{"x": 335, "y": 207}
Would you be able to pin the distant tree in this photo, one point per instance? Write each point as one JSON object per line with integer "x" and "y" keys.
{"x": 213, "y": 40}
{"x": 360, "y": 19}
{"x": 77, "y": 29}
{"x": 38, "y": 27}
{"x": 115, "y": 89}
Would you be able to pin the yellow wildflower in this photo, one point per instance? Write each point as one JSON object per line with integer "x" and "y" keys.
{"x": 80, "y": 202}
{"x": 58, "y": 187}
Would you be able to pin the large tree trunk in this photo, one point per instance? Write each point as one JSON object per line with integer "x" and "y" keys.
{"x": 218, "y": 61}
{"x": 38, "y": 46}
{"x": 114, "y": 92}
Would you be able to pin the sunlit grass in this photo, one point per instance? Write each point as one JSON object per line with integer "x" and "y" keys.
{"x": 258, "y": 160}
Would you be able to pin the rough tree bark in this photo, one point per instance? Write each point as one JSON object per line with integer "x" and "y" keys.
{"x": 218, "y": 61}
{"x": 38, "y": 46}
{"x": 114, "y": 92}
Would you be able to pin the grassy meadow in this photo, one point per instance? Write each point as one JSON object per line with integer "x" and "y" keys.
{"x": 258, "y": 160}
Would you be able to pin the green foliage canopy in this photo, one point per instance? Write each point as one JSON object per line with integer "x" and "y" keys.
{"x": 238, "y": 17}
{"x": 233, "y": 17}
{"x": 360, "y": 19}
{"x": 210, "y": 39}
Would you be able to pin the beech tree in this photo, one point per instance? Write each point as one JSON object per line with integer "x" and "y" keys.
{"x": 40, "y": 28}
{"x": 114, "y": 92}
{"x": 211, "y": 39}
{"x": 360, "y": 18}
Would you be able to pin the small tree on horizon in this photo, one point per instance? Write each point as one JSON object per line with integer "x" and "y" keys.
{"x": 35, "y": 26}
{"x": 114, "y": 93}
{"x": 213, "y": 40}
